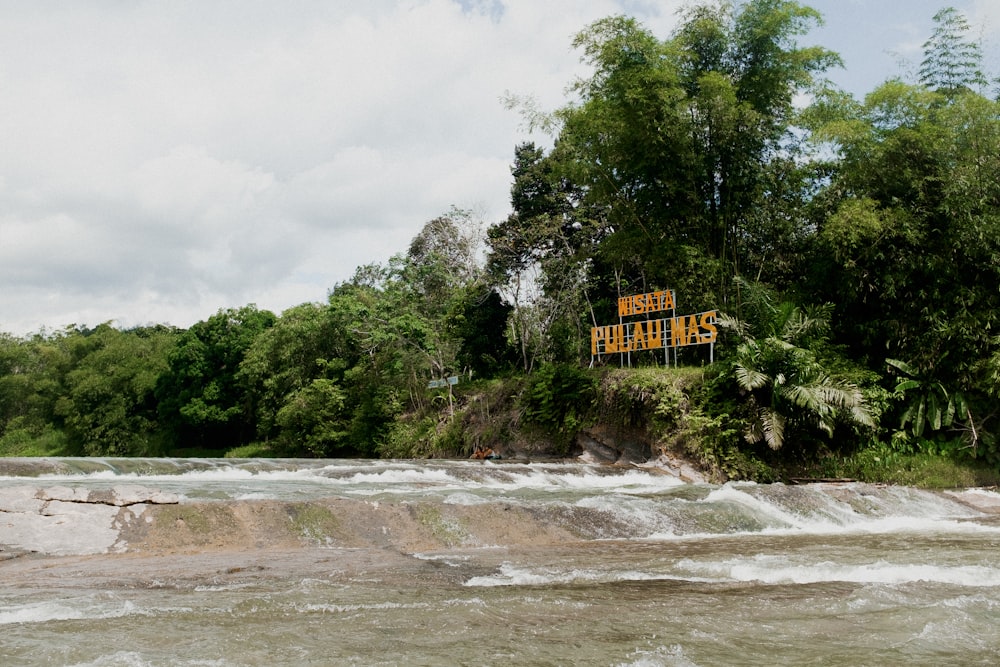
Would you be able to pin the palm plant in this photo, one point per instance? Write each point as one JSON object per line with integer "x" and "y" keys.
{"x": 788, "y": 383}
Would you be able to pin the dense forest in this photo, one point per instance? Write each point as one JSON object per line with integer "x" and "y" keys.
{"x": 850, "y": 247}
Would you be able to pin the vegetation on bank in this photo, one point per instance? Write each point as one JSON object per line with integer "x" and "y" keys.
{"x": 850, "y": 247}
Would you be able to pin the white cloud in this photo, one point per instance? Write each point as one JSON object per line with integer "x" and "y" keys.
{"x": 168, "y": 158}
{"x": 165, "y": 159}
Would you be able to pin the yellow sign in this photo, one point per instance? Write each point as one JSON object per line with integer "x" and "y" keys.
{"x": 697, "y": 329}
{"x": 641, "y": 304}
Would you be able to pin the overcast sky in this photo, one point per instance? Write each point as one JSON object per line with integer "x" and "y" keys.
{"x": 163, "y": 159}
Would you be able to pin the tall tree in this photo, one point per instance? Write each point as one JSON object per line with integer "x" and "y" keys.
{"x": 910, "y": 249}
{"x": 202, "y": 402}
{"x": 32, "y": 380}
{"x": 952, "y": 63}
{"x": 280, "y": 368}
{"x": 108, "y": 407}
{"x": 672, "y": 139}
{"x": 540, "y": 256}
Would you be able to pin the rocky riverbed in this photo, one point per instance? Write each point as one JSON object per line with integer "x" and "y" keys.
{"x": 191, "y": 562}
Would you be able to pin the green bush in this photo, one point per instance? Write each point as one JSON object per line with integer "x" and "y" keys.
{"x": 560, "y": 399}
{"x": 251, "y": 451}
{"x": 35, "y": 442}
{"x": 905, "y": 461}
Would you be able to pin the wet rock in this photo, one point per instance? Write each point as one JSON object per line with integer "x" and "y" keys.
{"x": 71, "y": 520}
{"x": 609, "y": 445}
{"x": 20, "y": 499}
{"x": 63, "y": 494}
{"x": 119, "y": 496}
{"x": 677, "y": 467}
{"x": 596, "y": 451}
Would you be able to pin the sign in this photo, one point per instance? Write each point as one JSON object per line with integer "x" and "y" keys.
{"x": 651, "y": 302}
{"x": 444, "y": 382}
{"x": 697, "y": 329}
{"x": 672, "y": 331}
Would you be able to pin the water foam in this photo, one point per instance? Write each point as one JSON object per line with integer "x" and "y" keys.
{"x": 769, "y": 569}
{"x": 511, "y": 575}
{"x": 42, "y": 612}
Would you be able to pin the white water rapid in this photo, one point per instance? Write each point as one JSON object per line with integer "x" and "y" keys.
{"x": 236, "y": 562}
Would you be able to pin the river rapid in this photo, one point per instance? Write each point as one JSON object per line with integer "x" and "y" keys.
{"x": 238, "y": 562}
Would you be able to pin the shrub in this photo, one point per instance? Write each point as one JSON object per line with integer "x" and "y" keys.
{"x": 559, "y": 398}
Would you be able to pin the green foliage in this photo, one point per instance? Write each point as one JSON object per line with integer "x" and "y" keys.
{"x": 108, "y": 407}
{"x": 314, "y": 419}
{"x": 951, "y": 63}
{"x": 47, "y": 441}
{"x": 253, "y": 450}
{"x": 903, "y": 462}
{"x": 559, "y": 398}
{"x": 539, "y": 258}
{"x": 201, "y": 400}
{"x": 669, "y": 137}
{"x": 785, "y": 378}
{"x": 679, "y": 414}
{"x": 929, "y": 404}
{"x": 478, "y": 320}
{"x": 410, "y": 437}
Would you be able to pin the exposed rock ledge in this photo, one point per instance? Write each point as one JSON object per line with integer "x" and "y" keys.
{"x": 602, "y": 444}
{"x": 64, "y": 520}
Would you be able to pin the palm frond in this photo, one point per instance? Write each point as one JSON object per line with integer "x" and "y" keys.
{"x": 734, "y": 324}
{"x": 750, "y": 378}
{"x": 773, "y": 426}
{"x": 861, "y": 415}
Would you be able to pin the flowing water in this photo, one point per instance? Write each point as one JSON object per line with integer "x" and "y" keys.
{"x": 497, "y": 563}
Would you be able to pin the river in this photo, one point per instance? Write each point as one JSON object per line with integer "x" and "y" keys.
{"x": 486, "y": 563}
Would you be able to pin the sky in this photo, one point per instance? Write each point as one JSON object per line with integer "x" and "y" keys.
{"x": 161, "y": 160}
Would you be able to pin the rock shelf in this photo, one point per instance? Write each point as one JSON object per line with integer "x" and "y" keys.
{"x": 63, "y": 520}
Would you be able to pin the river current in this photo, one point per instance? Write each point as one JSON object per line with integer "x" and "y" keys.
{"x": 505, "y": 563}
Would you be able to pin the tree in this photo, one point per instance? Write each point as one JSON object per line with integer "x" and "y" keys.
{"x": 364, "y": 363}
{"x": 446, "y": 250}
{"x": 478, "y": 321}
{"x": 670, "y": 141}
{"x": 313, "y": 418}
{"x": 541, "y": 256}
{"x": 108, "y": 408}
{"x": 303, "y": 347}
{"x": 385, "y": 333}
{"x": 909, "y": 244}
{"x": 17, "y": 366}
{"x": 202, "y": 402}
{"x": 952, "y": 64}
{"x": 32, "y": 379}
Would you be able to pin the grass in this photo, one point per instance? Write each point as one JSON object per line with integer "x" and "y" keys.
{"x": 881, "y": 465}
{"x": 26, "y": 442}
